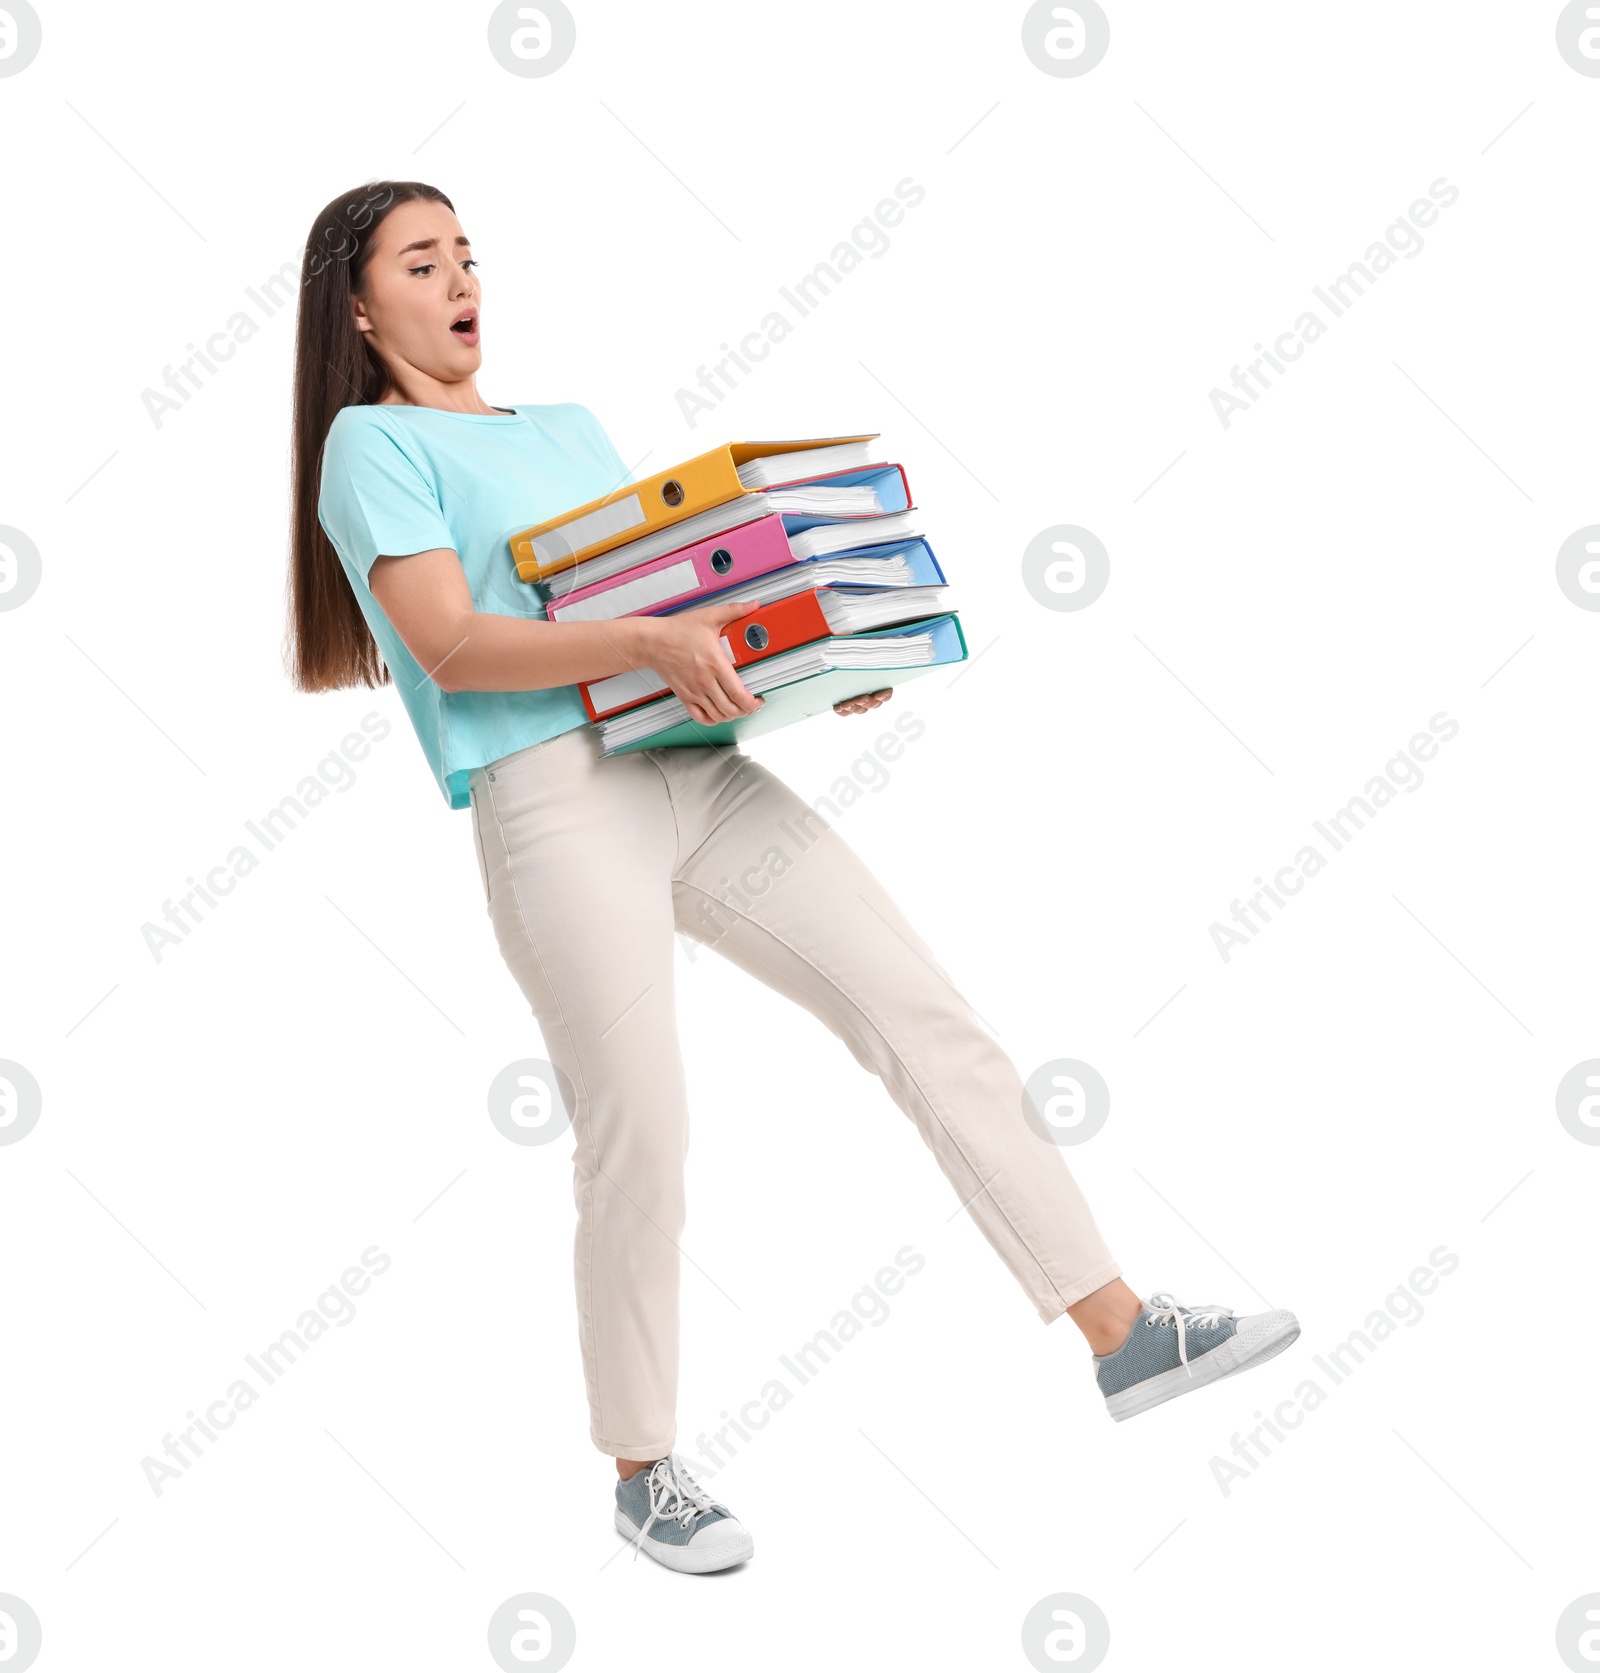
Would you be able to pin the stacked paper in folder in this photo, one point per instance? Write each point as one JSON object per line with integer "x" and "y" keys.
{"x": 849, "y": 595}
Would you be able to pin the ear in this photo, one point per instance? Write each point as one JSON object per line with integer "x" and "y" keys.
{"x": 359, "y": 312}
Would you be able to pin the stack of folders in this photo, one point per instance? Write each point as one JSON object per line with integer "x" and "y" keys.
{"x": 849, "y": 596}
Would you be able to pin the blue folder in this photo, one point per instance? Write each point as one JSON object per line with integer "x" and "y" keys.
{"x": 804, "y": 697}
{"x": 917, "y": 553}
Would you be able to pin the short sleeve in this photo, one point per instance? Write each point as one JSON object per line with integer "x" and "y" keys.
{"x": 375, "y": 500}
{"x": 606, "y": 449}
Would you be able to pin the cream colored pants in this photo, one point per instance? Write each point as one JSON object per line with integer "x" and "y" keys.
{"x": 590, "y": 865}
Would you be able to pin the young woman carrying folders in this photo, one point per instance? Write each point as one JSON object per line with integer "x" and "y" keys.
{"x": 406, "y": 482}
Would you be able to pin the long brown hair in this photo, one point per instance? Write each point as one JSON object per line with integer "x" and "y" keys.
{"x": 328, "y": 643}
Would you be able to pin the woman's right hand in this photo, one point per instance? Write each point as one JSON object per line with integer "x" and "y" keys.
{"x": 685, "y": 649}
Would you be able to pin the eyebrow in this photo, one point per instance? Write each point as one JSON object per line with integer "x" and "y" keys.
{"x": 428, "y": 244}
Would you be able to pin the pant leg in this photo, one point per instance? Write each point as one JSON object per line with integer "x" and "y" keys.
{"x": 578, "y": 853}
{"x": 771, "y": 887}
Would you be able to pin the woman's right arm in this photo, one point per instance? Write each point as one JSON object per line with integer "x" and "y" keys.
{"x": 460, "y": 648}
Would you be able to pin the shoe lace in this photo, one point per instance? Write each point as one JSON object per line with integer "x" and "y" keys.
{"x": 1167, "y": 1310}
{"x": 674, "y": 1495}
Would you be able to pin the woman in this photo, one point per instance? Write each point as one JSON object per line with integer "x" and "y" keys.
{"x": 406, "y": 485}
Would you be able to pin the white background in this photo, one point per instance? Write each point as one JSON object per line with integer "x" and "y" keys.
{"x": 225, "y": 1131}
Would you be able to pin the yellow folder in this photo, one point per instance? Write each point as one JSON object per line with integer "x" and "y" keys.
{"x": 710, "y": 479}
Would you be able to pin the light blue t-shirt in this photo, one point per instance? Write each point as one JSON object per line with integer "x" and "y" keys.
{"x": 402, "y": 479}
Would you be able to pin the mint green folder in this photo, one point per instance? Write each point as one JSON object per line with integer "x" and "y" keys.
{"x": 814, "y": 694}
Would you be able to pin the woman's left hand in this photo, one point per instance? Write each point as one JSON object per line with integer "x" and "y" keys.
{"x": 860, "y": 705}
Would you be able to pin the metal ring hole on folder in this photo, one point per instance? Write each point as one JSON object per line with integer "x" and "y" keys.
{"x": 722, "y": 560}
{"x": 672, "y": 492}
{"x": 756, "y": 636}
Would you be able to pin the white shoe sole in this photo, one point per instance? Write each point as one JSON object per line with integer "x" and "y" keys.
{"x": 1260, "y": 1338}
{"x": 688, "y": 1559}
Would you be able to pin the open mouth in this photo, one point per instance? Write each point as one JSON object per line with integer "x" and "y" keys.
{"x": 466, "y": 326}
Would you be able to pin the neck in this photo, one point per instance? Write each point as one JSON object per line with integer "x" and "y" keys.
{"x": 417, "y": 389}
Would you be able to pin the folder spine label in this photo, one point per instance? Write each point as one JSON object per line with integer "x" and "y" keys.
{"x": 614, "y": 519}
{"x": 632, "y": 596}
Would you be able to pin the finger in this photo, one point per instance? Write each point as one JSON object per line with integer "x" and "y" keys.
{"x": 864, "y": 700}
{"x": 715, "y": 698}
{"x": 736, "y": 691}
{"x": 722, "y": 684}
{"x": 700, "y": 704}
{"x": 719, "y": 615}
{"x": 712, "y": 709}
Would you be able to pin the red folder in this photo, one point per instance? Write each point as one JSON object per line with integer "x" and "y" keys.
{"x": 778, "y": 626}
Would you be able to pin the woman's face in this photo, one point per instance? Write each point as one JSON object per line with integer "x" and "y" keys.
{"x": 419, "y": 284}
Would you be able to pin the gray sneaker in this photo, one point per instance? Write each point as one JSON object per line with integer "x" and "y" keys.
{"x": 666, "y": 1513}
{"x": 1172, "y": 1349}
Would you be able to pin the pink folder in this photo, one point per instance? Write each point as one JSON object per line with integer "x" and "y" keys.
{"x": 738, "y": 554}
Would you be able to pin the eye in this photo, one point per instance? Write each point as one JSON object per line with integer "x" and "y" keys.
{"x": 427, "y": 267}
{"x": 471, "y": 262}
